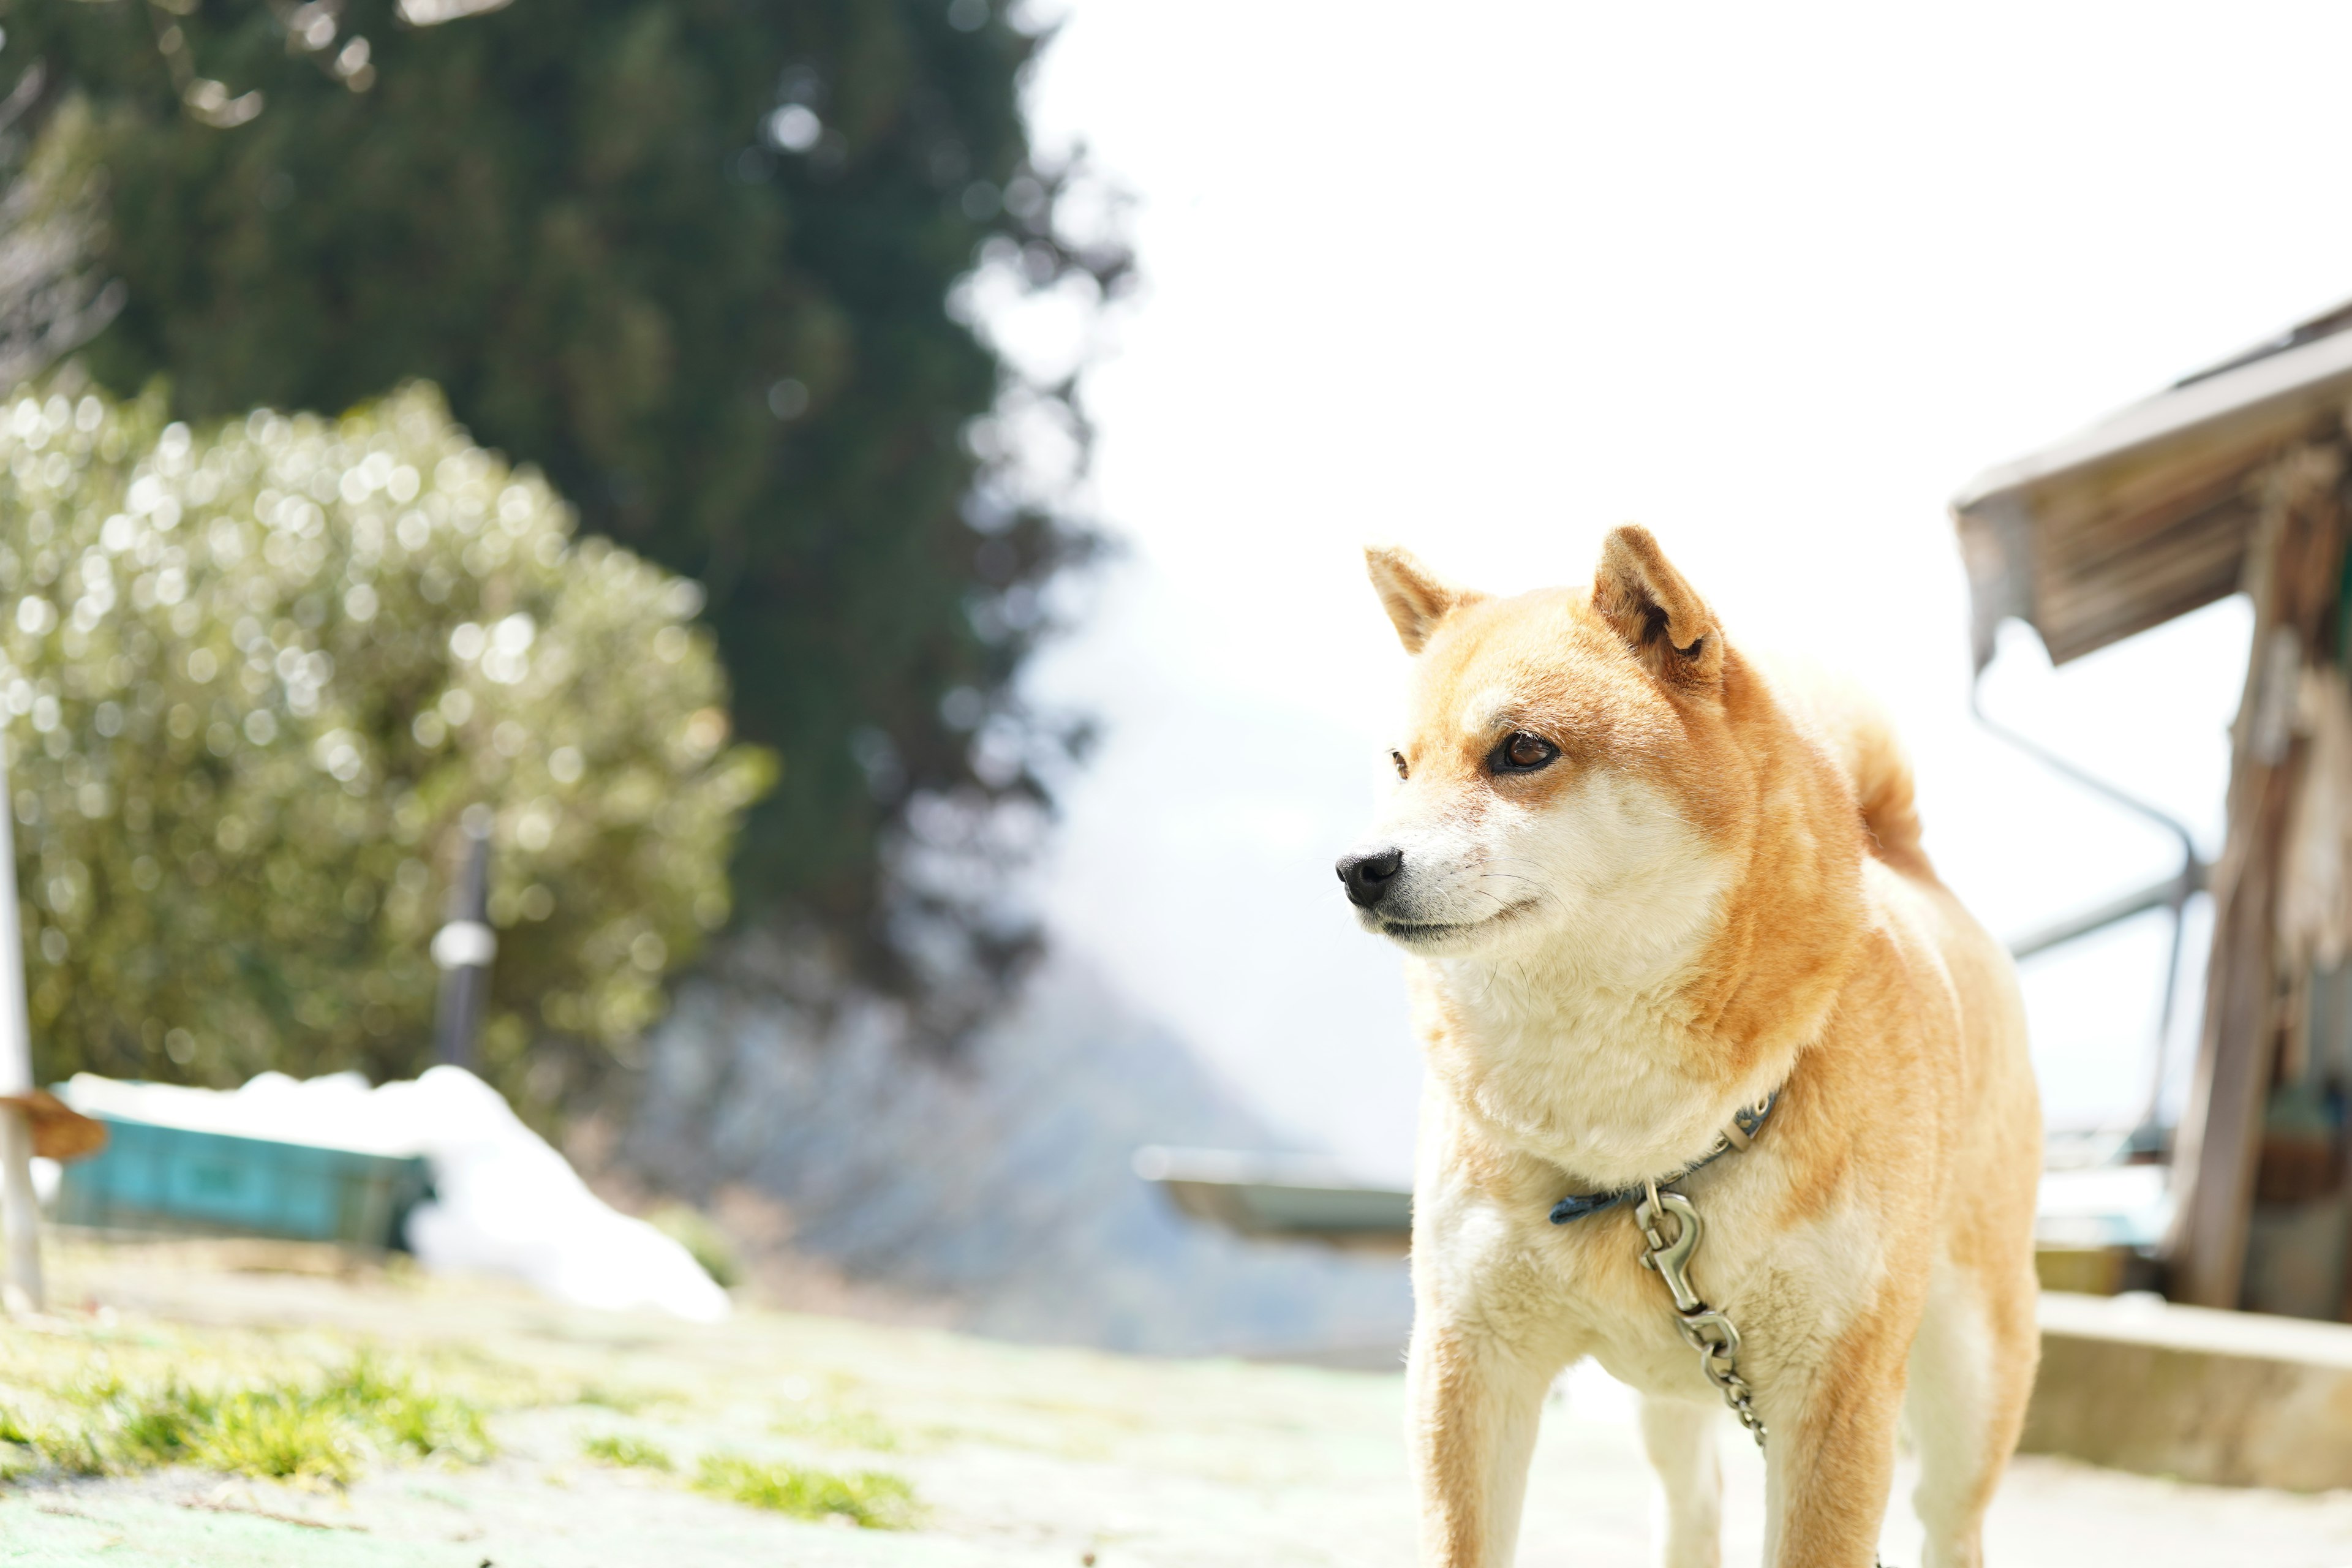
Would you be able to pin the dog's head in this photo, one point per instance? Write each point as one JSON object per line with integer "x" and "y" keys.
{"x": 1564, "y": 771}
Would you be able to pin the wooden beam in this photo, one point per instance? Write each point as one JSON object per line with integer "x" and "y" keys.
{"x": 2294, "y": 564}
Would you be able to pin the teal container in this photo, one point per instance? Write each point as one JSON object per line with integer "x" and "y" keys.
{"x": 154, "y": 1178}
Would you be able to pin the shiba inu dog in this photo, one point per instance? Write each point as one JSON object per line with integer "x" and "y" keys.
{"x": 1659, "y": 905}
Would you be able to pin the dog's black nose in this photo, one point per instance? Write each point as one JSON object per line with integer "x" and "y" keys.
{"x": 1367, "y": 876}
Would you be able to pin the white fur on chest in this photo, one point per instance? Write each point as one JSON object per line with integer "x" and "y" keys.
{"x": 1593, "y": 1084}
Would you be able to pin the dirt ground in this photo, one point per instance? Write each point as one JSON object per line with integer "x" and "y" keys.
{"x": 1015, "y": 1454}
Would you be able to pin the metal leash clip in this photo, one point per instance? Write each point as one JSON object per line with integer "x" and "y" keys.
{"x": 1703, "y": 1328}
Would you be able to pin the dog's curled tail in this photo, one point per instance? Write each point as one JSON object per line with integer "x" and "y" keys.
{"x": 1882, "y": 786}
{"x": 1862, "y": 738}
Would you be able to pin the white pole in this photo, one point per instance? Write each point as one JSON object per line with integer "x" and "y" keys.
{"x": 19, "y": 1212}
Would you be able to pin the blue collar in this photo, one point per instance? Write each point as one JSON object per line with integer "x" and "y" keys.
{"x": 1745, "y": 1123}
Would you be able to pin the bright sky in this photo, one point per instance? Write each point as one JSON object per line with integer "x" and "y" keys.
{"x": 1486, "y": 279}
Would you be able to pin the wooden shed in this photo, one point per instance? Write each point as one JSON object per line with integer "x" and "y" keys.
{"x": 2232, "y": 480}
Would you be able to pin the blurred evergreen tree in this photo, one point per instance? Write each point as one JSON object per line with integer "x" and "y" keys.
{"x": 694, "y": 258}
{"x": 50, "y": 302}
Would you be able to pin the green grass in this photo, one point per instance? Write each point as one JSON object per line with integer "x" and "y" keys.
{"x": 627, "y": 1401}
{"x": 838, "y": 1427}
{"x": 82, "y": 1410}
{"x": 630, "y": 1453}
{"x": 869, "y": 1499}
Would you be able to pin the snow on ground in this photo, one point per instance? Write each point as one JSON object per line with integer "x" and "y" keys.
{"x": 504, "y": 1201}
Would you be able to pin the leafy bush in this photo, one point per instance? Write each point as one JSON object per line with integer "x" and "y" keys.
{"x": 253, "y": 678}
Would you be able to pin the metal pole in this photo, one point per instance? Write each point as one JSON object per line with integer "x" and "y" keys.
{"x": 465, "y": 946}
{"x": 2148, "y": 1130}
{"x": 19, "y": 1210}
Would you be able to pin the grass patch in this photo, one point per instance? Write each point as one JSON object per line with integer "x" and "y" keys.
{"x": 93, "y": 1409}
{"x": 629, "y": 1452}
{"x": 827, "y": 1415}
{"x": 838, "y": 1427}
{"x": 868, "y": 1499}
{"x": 627, "y": 1401}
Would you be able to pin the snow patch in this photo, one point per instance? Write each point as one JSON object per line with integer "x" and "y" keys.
{"x": 506, "y": 1203}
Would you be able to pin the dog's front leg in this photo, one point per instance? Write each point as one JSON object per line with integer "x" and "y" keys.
{"x": 1830, "y": 1462}
{"x": 1475, "y": 1403}
{"x": 1679, "y": 1436}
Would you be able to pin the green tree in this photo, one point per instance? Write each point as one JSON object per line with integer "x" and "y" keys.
{"x": 49, "y": 302}
{"x": 254, "y": 676}
{"x": 695, "y": 260}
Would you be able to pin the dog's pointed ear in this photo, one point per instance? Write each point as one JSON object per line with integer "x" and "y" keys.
{"x": 1660, "y": 615}
{"x": 1416, "y": 598}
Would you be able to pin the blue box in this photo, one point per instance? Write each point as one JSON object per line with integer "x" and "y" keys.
{"x": 156, "y": 1178}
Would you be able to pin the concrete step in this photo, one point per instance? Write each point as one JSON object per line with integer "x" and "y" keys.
{"x": 2234, "y": 1399}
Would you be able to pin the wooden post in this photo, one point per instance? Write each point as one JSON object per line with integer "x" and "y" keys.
{"x": 464, "y": 947}
{"x": 2292, "y": 567}
{"x": 20, "y": 1209}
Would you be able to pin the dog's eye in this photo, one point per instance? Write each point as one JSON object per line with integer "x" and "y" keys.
{"x": 1398, "y": 758}
{"x": 1521, "y": 752}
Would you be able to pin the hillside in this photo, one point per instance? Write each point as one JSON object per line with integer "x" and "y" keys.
{"x": 994, "y": 1193}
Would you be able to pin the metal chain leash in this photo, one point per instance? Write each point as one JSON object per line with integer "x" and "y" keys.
{"x": 1703, "y": 1328}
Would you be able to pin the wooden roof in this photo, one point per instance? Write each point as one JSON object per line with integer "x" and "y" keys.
{"x": 2145, "y": 515}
